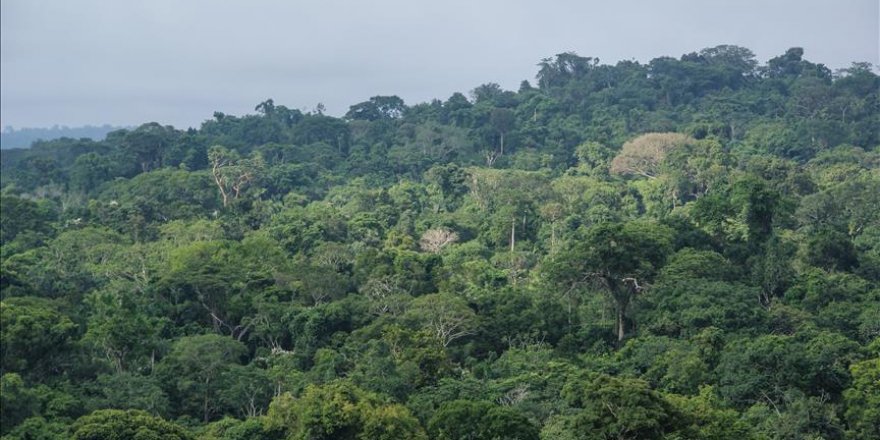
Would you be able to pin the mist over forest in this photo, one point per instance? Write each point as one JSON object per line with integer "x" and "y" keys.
{"x": 685, "y": 248}
{"x": 11, "y": 137}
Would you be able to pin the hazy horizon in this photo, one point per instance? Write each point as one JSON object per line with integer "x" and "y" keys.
{"x": 96, "y": 63}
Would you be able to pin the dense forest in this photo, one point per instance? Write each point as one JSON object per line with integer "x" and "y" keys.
{"x": 683, "y": 249}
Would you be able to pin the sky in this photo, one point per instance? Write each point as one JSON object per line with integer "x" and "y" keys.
{"x": 175, "y": 62}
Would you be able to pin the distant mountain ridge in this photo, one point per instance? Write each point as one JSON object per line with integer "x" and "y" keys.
{"x": 24, "y": 137}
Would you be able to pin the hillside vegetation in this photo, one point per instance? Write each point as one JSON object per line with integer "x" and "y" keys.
{"x": 683, "y": 249}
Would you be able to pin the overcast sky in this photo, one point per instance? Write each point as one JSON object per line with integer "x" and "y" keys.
{"x": 177, "y": 61}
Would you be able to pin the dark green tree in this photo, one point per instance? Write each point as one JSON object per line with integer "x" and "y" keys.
{"x": 617, "y": 259}
{"x": 480, "y": 420}
{"x": 609, "y": 407}
{"x": 377, "y": 108}
{"x": 193, "y": 373}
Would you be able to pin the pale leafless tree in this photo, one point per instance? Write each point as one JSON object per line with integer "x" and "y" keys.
{"x": 447, "y": 317}
{"x": 386, "y": 294}
{"x": 232, "y": 173}
{"x": 434, "y": 240}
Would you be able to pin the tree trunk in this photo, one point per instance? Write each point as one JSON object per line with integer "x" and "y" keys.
{"x": 219, "y": 181}
{"x": 512, "y": 234}
{"x": 621, "y": 301}
{"x": 502, "y": 144}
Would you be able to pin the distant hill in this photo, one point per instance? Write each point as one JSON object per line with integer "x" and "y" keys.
{"x": 24, "y": 137}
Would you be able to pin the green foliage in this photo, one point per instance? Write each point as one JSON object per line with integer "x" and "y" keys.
{"x": 609, "y": 407}
{"x": 38, "y": 428}
{"x": 830, "y": 250}
{"x": 194, "y": 372}
{"x": 89, "y": 171}
{"x": 120, "y": 329}
{"x": 863, "y": 399}
{"x": 689, "y": 263}
{"x": 23, "y": 216}
{"x": 765, "y": 369}
{"x": 378, "y": 107}
{"x": 683, "y": 248}
{"x": 33, "y": 333}
{"x": 114, "y": 424}
{"x": 795, "y": 416}
{"x": 667, "y": 364}
{"x": 18, "y": 402}
{"x": 687, "y": 306}
{"x": 706, "y": 418}
{"x": 125, "y": 390}
{"x": 616, "y": 258}
{"x": 480, "y": 421}
{"x": 234, "y": 429}
{"x": 340, "y": 410}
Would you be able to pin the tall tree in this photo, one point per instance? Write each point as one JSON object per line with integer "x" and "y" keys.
{"x": 618, "y": 259}
{"x": 643, "y": 155}
{"x": 231, "y": 172}
{"x": 194, "y": 370}
{"x": 502, "y": 121}
{"x": 147, "y": 144}
{"x": 377, "y": 108}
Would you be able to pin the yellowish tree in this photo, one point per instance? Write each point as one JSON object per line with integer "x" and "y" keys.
{"x": 643, "y": 155}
